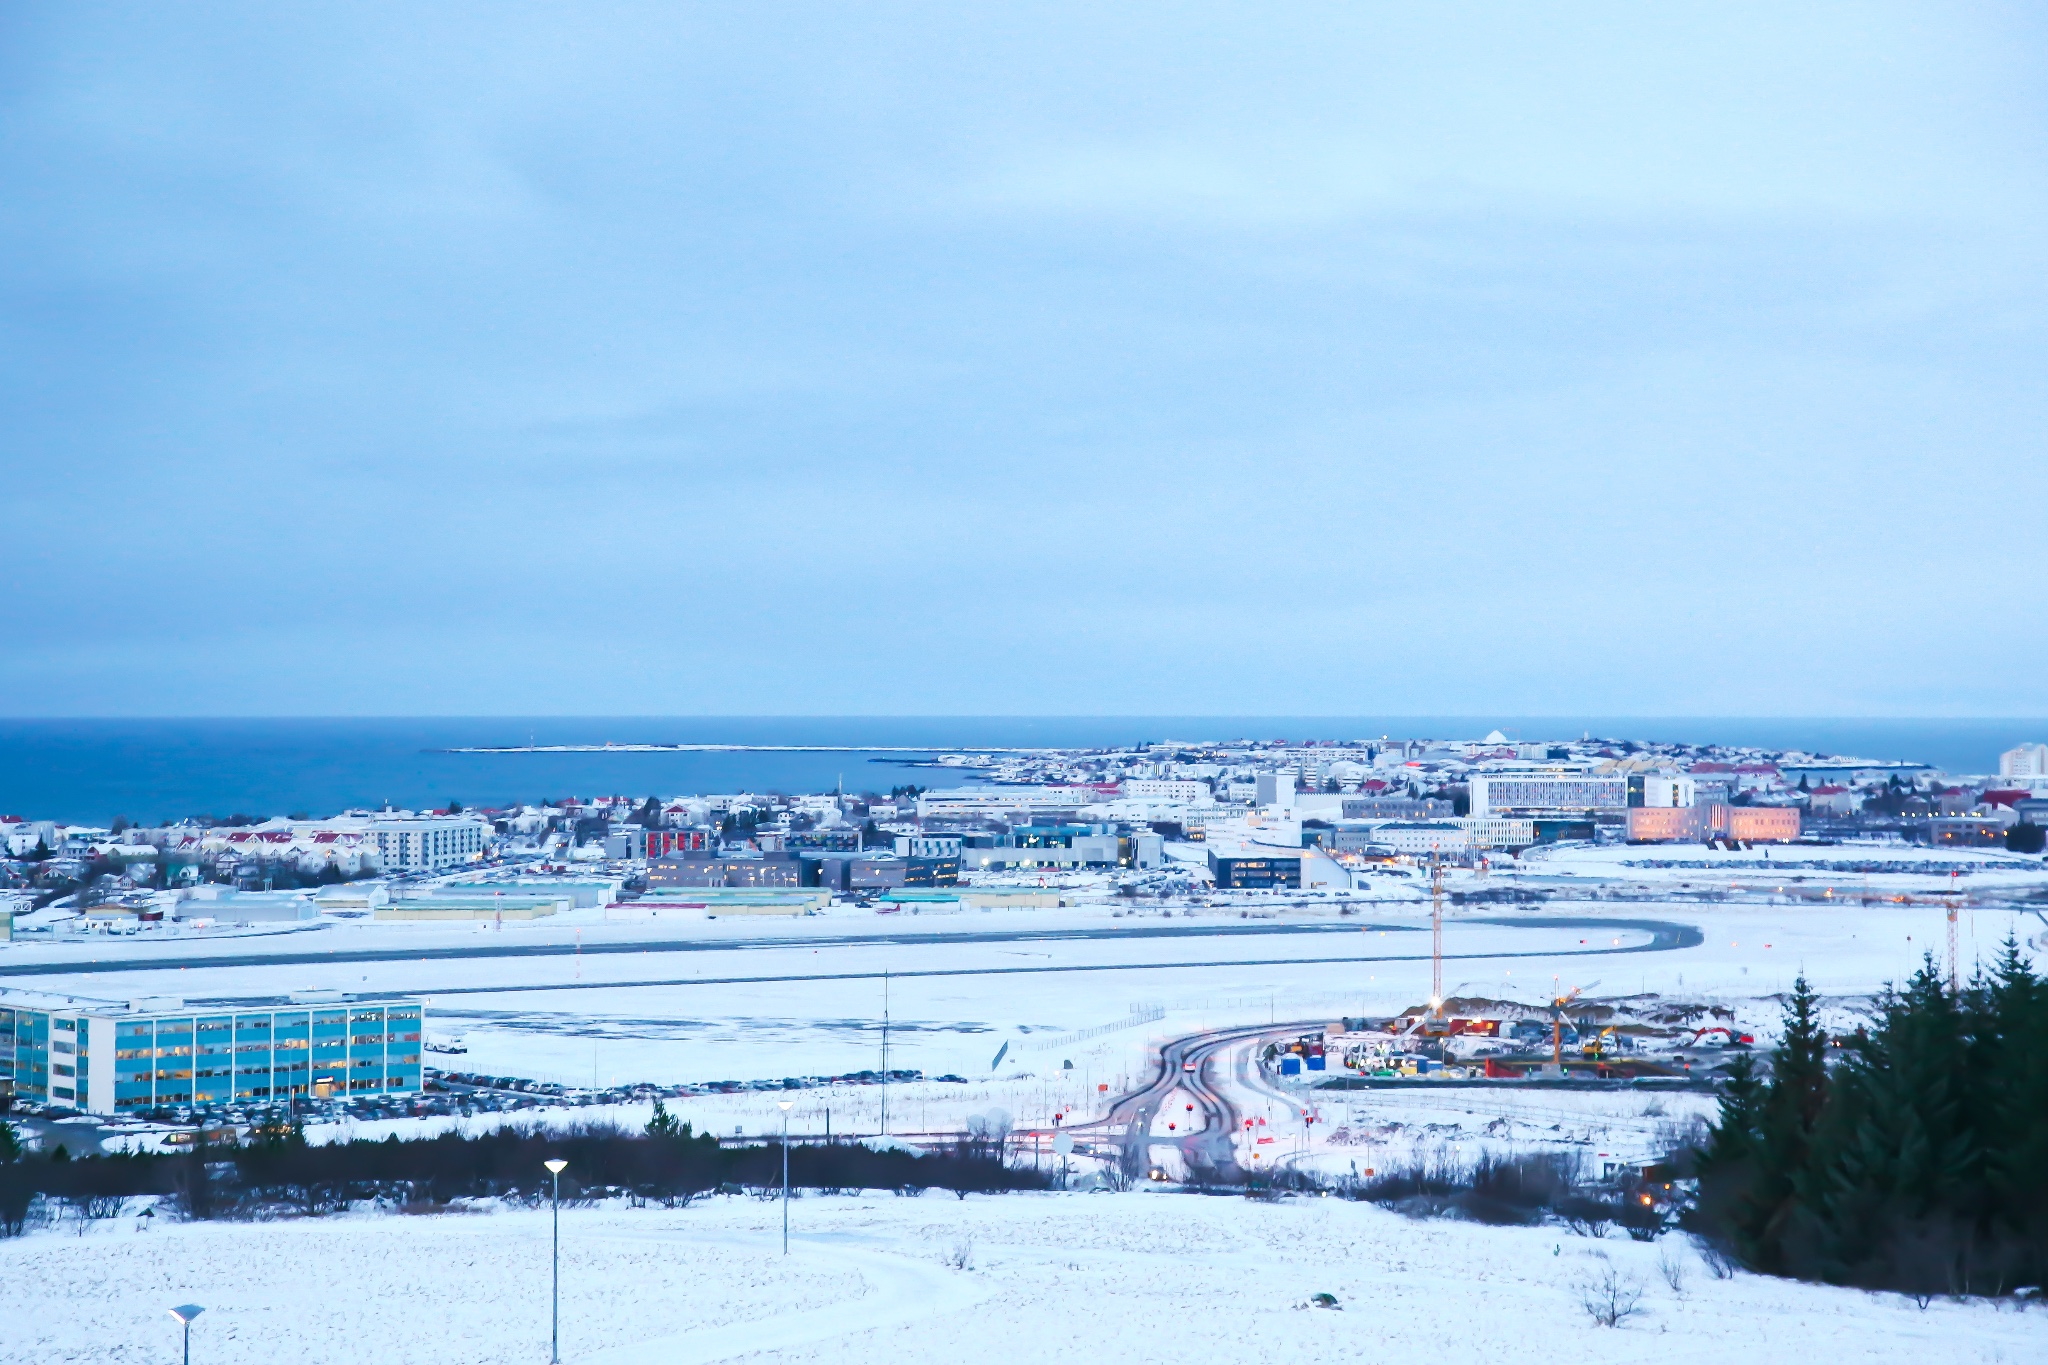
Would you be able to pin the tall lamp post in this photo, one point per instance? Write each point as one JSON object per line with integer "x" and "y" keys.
{"x": 555, "y": 1298}
{"x": 783, "y": 1105}
{"x": 184, "y": 1313}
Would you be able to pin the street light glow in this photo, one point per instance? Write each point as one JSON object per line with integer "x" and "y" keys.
{"x": 556, "y": 1166}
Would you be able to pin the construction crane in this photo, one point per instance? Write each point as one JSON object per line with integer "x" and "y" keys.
{"x": 1557, "y": 1004}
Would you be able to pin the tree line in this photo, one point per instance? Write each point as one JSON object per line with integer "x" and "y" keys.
{"x": 277, "y": 1171}
{"x": 1915, "y": 1158}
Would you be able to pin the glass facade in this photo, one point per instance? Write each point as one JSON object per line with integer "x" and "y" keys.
{"x": 211, "y": 1058}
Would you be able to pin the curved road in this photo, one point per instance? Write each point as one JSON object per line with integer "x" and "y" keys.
{"x": 1187, "y": 1067}
{"x": 1664, "y": 935}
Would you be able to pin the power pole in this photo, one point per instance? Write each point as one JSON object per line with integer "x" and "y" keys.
{"x": 885, "y": 1054}
{"x": 1436, "y": 935}
{"x": 1954, "y": 966}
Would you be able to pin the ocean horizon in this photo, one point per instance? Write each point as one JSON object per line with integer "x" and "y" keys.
{"x": 151, "y": 770}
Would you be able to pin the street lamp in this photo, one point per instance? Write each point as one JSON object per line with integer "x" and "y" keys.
{"x": 184, "y": 1313}
{"x": 554, "y": 1166}
{"x": 783, "y": 1105}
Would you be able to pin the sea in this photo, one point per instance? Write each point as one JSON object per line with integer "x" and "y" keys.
{"x": 156, "y": 770}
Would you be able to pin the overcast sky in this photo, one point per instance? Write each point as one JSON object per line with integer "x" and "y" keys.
{"x": 1267, "y": 359}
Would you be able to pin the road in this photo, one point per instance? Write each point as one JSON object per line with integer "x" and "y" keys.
{"x": 1189, "y": 1075}
{"x": 1664, "y": 936}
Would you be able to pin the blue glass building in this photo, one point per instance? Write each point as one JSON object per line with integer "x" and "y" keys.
{"x": 104, "y": 1058}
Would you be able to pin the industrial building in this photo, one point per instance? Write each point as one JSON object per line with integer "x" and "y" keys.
{"x": 107, "y": 1058}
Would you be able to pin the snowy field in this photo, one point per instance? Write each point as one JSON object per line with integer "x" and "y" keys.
{"x": 764, "y": 999}
{"x": 1142, "y": 1277}
{"x": 807, "y": 1005}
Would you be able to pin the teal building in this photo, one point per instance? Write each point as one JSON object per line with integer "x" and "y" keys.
{"x": 103, "y": 1058}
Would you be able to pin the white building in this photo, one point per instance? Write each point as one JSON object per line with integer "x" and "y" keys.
{"x": 1275, "y": 789}
{"x": 425, "y": 843}
{"x": 1494, "y": 795}
{"x": 1162, "y": 789}
{"x": 1499, "y": 831}
{"x": 985, "y": 801}
{"x": 1669, "y": 791}
{"x": 1423, "y": 837}
{"x": 2028, "y": 760}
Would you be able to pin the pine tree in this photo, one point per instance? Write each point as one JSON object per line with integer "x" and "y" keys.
{"x": 664, "y": 1125}
{"x": 2010, "y": 1094}
{"x": 1731, "y": 1169}
{"x": 1898, "y": 1159}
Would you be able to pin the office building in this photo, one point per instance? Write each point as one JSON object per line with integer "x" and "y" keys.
{"x": 1548, "y": 796}
{"x": 105, "y": 1058}
{"x": 931, "y": 871}
{"x": 1255, "y": 869}
{"x": 1275, "y": 789}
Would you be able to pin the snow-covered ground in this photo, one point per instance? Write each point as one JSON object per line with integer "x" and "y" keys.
{"x": 755, "y": 998}
{"x": 1140, "y": 1277}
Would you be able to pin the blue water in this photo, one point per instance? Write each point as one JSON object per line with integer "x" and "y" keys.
{"x": 153, "y": 770}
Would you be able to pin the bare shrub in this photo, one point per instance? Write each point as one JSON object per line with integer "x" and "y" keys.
{"x": 1609, "y": 1297}
{"x": 960, "y": 1255}
{"x": 1671, "y": 1265}
{"x": 1718, "y": 1262}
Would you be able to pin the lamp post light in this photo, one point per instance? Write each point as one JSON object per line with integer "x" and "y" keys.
{"x": 554, "y": 1166}
{"x": 184, "y": 1313}
{"x": 783, "y": 1105}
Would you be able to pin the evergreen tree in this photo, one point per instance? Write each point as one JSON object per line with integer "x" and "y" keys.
{"x": 664, "y": 1125}
{"x": 2010, "y": 1085}
{"x": 1760, "y": 1149}
{"x": 10, "y": 1145}
{"x": 1897, "y": 1163}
